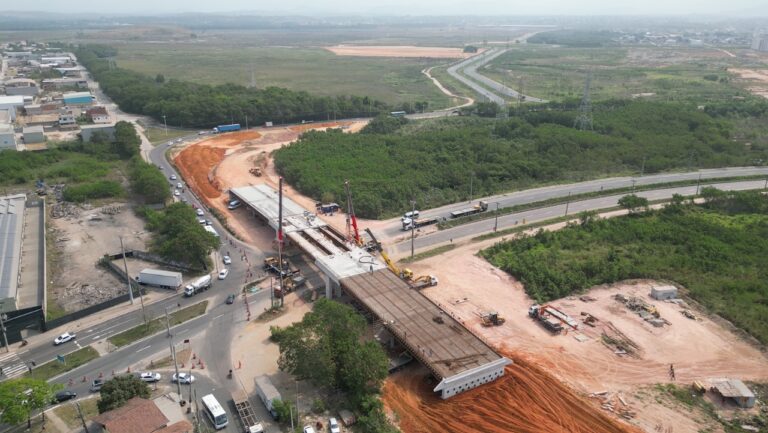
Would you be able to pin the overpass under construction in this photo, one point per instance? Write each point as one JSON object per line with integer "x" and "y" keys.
{"x": 456, "y": 357}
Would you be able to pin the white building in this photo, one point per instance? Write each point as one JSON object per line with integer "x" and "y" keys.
{"x": 7, "y": 134}
{"x": 11, "y": 103}
{"x": 760, "y": 41}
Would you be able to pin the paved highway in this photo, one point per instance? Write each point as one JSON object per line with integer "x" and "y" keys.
{"x": 394, "y": 227}
{"x": 549, "y": 212}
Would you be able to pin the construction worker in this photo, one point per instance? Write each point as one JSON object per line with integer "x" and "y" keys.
{"x": 672, "y": 372}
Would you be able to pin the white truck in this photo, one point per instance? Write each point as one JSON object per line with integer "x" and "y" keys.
{"x": 267, "y": 393}
{"x": 159, "y": 278}
{"x": 245, "y": 412}
{"x": 197, "y": 286}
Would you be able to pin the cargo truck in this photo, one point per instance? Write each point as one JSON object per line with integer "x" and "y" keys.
{"x": 244, "y": 410}
{"x": 542, "y": 314}
{"x": 268, "y": 394}
{"x": 409, "y": 223}
{"x": 159, "y": 278}
{"x": 197, "y": 286}
{"x": 479, "y": 207}
{"x": 226, "y": 128}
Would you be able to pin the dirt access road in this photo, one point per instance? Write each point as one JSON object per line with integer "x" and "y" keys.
{"x": 699, "y": 349}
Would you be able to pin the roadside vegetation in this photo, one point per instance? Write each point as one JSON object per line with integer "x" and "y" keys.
{"x": 185, "y": 104}
{"x": 19, "y": 398}
{"x": 155, "y": 325}
{"x": 178, "y": 236}
{"x": 327, "y": 348}
{"x": 715, "y": 250}
{"x": 447, "y": 160}
{"x": 575, "y": 38}
{"x": 117, "y": 391}
{"x": 71, "y": 361}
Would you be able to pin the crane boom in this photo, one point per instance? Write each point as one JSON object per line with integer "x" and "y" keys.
{"x": 352, "y": 231}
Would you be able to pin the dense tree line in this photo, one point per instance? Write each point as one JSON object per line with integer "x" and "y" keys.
{"x": 19, "y": 398}
{"x": 575, "y": 38}
{"x": 199, "y": 105}
{"x": 178, "y": 236}
{"x": 327, "y": 348}
{"x": 716, "y": 250}
{"x": 446, "y": 160}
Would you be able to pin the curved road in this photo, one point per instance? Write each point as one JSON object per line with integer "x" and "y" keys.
{"x": 549, "y": 212}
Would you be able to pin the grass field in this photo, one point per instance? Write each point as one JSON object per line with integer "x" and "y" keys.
{"x": 155, "y": 325}
{"x": 68, "y": 412}
{"x": 557, "y": 73}
{"x": 314, "y": 70}
{"x": 158, "y": 135}
{"x": 73, "y": 360}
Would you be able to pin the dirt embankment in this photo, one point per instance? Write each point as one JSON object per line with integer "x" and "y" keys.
{"x": 526, "y": 400}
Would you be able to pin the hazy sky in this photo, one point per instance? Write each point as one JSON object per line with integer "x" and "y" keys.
{"x": 407, "y": 7}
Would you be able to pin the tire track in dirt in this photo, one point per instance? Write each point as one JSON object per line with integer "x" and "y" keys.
{"x": 526, "y": 400}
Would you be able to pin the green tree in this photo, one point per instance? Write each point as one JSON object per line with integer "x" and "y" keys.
{"x": 180, "y": 237}
{"x": 284, "y": 410}
{"x": 20, "y": 397}
{"x": 127, "y": 142}
{"x": 117, "y": 391}
{"x": 633, "y": 203}
{"x": 159, "y": 78}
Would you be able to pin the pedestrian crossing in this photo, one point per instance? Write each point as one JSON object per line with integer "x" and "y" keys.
{"x": 12, "y": 366}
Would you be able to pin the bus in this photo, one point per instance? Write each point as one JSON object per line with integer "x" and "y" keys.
{"x": 215, "y": 412}
{"x": 398, "y": 114}
{"x": 211, "y": 230}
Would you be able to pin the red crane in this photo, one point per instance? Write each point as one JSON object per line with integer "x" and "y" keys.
{"x": 351, "y": 219}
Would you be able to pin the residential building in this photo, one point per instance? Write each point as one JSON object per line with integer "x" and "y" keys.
{"x": 67, "y": 118}
{"x": 139, "y": 415}
{"x": 63, "y": 83}
{"x": 7, "y": 133}
{"x": 98, "y": 115}
{"x": 760, "y": 41}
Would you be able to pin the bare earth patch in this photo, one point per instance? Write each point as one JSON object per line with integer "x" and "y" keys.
{"x": 756, "y": 79}
{"x": 399, "y": 51}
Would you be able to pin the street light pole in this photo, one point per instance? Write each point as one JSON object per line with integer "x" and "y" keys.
{"x": 633, "y": 185}
{"x": 413, "y": 224}
{"x": 496, "y": 221}
{"x": 698, "y": 182}
{"x": 127, "y": 277}
{"x": 471, "y": 186}
{"x": 568, "y": 203}
{"x": 166, "y": 125}
{"x": 3, "y": 318}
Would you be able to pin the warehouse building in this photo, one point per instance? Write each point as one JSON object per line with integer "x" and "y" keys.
{"x": 11, "y": 103}
{"x": 87, "y": 132}
{"x": 78, "y": 98}
{"x": 7, "y": 133}
{"x": 33, "y": 134}
{"x": 63, "y": 83}
{"x": 21, "y": 86}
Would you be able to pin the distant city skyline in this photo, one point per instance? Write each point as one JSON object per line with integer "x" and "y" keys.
{"x": 404, "y": 7}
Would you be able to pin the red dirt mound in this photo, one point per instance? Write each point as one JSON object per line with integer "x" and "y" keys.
{"x": 195, "y": 163}
{"x": 526, "y": 400}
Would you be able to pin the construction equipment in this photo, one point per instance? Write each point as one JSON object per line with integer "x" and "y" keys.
{"x": 589, "y": 319}
{"x": 552, "y": 318}
{"x": 256, "y": 171}
{"x": 492, "y": 319}
{"x": 245, "y": 412}
{"x": 352, "y": 231}
{"x": 271, "y": 264}
{"x": 479, "y": 207}
{"x": 688, "y": 314}
{"x": 410, "y": 223}
{"x": 373, "y": 244}
{"x": 424, "y": 281}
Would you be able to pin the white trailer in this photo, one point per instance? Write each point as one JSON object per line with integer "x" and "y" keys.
{"x": 267, "y": 393}
{"x": 159, "y": 278}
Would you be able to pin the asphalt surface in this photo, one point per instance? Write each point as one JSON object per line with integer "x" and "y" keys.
{"x": 549, "y": 212}
{"x": 394, "y": 228}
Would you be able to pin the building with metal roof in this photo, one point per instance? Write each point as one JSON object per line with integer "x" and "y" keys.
{"x": 735, "y": 390}
{"x": 11, "y": 233}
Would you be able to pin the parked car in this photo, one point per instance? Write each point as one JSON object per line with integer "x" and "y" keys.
{"x": 201, "y": 221}
{"x": 309, "y": 429}
{"x": 63, "y": 338}
{"x": 333, "y": 426}
{"x": 149, "y": 376}
{"x": 179, "y": 140}
{"x": 177, "y": 193}
{"x": 227, "y": 260}
{"x": 96, "y": 385}
{"x": 179, "y": 185}
{"x": 64, "y": 396}
{"x": 184, "y": 378}
{"x": 199, "y": 212}
{"x": 223, "y": 273}
{"x": 231, "y": 299}
{"x": 208, "y": 222}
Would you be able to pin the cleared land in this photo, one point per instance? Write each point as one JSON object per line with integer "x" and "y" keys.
{"x": 756, "y": 80}
{"x": 558, "y": 73}
{"x": 398, "y": 51}
{"x": 315, "y": 70}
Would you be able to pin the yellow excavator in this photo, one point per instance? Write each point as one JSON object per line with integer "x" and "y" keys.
{"x": 407, "y": 274}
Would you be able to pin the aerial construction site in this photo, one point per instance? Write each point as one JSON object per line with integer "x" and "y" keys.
{"x": 490, "y": 358}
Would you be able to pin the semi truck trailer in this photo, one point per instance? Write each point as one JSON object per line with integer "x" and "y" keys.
{"x": 159, "y": 278}
{"x": 479, "y": 207}
{"x": 226, "y": 128}
{"x": 268, "y": 394}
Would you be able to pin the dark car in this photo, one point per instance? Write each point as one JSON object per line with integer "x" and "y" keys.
{"x": 64, "y": 396}
{"x": 231, "y": 299}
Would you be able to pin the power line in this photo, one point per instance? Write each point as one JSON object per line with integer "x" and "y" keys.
{"x": 584, "y": 120}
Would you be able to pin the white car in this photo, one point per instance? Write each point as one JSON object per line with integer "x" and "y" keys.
{"x": 199, "y": 212}
{"x": 309, "y": 429}
{"x": 177, "y": 193}
{"x": 173, "y": 177}
{"x": 179, "y": 140}
{"x": 227, "y": 260}
{"x": 223, "y": 273}
{"x": 333, "y": 426}
{"x": 184, "y": 378}
{"x": 149, "y": 376}
{"x": 63, "y": 338}
{"x": 179, "y": 185}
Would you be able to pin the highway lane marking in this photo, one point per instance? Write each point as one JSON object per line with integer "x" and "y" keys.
{"x": 96, "y": 337}
{"x": 218, "y": 316}
{"x": 145, "y": 347}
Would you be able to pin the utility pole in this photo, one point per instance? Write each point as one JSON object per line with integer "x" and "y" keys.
{"x": 167, "y": 322}
{"x": 413, "y": 224}
{"x": 567, "y": 203}
{"x": 698, "y": 182}
{"x": 80, "y": 414}
{"x": 246, "y": 121}
{"x": 298, "y": 420}
{"x": 642, "y": 168}
{"x": 125, "y": 266}
{"x": 584, "y": 119}
{"x": 166, "y": 125}
{"x": 175, "y": 366}
{"x": 290, "y": 412}
{"x": 496, "y": 221}
{"x": 633, "y": 186}
{"x": 280, "y": 239}
{"x": 471, "y": 186}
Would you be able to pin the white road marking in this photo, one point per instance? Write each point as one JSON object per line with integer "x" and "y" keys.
{"x": 145, "y": 347}
{"x": 96, "y": 337}
{"x": 217, "y": 316}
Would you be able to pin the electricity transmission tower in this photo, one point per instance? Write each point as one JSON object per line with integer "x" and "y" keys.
{"x": 584, "y": 119}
